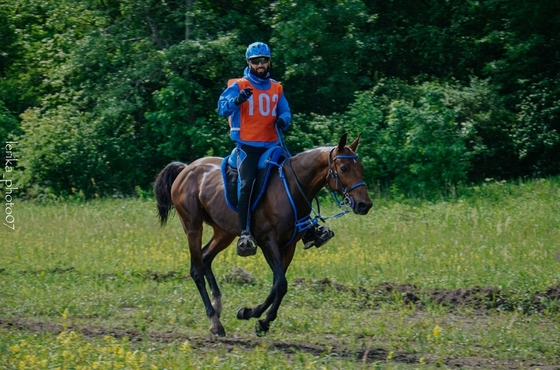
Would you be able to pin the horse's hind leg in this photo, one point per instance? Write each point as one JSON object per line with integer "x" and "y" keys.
{"x": 220, "y": 241}
{"x": 198, "y": 274}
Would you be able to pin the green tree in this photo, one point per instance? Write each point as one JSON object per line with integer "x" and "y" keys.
{"x": 319, "y": 46}
{"x": 8, "y": 124}
{"x": 526, "y": 36}
{"x": 473, "y": 82}
{"x": 184, "y": 124}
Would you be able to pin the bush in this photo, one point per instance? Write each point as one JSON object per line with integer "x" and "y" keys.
{"x": 425, "y": 139}
{"x": 59, "y": 154}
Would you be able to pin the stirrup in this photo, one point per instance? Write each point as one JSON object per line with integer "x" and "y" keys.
{"x": 246, "y": 245}
{"x": 317, "y": 237}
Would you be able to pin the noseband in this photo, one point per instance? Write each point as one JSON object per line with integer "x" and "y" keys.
{"x": 348, "y": 200}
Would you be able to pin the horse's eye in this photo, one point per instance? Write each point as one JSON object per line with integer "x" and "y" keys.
{"x": 343, "y": 169}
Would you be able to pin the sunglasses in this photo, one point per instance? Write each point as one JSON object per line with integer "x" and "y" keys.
{"x": 256, "y": 61}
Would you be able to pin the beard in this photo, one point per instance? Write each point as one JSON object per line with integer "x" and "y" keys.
{"x": 260, "y": 72}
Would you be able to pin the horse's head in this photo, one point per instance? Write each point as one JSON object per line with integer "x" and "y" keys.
{"x": 345, "y": 175}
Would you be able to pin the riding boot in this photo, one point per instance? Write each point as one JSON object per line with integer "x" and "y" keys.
{"x": 246, "y": 245}
{"x": 317, "y": 236}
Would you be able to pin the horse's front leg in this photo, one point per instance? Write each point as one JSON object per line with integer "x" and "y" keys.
{"x": 273, "y": 300}
{"x": 279, "y": 265}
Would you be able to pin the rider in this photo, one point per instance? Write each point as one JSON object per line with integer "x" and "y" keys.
{"x": 256, "y": 106}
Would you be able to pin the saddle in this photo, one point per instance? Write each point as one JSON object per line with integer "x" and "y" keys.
{"x": 272, "y": 158}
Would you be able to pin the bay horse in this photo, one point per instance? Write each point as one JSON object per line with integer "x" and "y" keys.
{"x": 196, "y": 191}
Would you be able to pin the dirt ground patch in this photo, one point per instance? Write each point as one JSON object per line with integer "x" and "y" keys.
{"x": 481, "y": 298}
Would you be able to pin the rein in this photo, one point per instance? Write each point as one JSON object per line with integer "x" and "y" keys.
{"x": 306, "y": 221}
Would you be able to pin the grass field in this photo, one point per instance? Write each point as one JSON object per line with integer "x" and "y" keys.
{"x": 472, "y": 283}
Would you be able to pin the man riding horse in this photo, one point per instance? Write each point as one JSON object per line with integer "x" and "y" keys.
{"x": 256, "y": 109}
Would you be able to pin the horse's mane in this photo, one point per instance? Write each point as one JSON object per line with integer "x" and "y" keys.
{"x": 320, "y": 149}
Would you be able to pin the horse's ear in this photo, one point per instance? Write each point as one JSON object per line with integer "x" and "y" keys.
{"x": 354, "y": 145}
{"x": 342, "y": 142}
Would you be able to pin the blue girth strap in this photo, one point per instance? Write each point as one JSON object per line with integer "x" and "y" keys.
{"x": 301, "y": 224}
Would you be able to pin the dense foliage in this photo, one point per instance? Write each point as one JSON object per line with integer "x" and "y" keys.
{"x": 101, "y": 94}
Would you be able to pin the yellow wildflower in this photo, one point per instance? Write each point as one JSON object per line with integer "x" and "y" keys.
{"x": 186, "y": 346}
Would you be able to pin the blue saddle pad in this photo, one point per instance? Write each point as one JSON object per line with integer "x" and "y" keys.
{"x": 273, "y": 157}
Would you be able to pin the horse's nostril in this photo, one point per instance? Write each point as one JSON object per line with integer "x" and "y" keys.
{"x": 363, "y": 208}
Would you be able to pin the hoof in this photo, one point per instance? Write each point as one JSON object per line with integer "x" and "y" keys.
{"x": 244, "y": 313}
{"x": 261, "y": 328}
{"x": 217, "y": 329}
{"x": 218, "y": 332}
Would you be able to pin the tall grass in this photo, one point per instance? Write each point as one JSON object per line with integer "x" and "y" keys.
{"x": 502, "y": 235}
{"x": 94, "y": 264}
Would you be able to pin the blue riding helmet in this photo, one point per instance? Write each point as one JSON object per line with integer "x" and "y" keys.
{"x": 257, "y": 49}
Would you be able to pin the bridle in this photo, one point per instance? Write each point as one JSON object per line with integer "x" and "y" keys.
{"x": 348, "y": 200}
{"x": 305, "y": 222}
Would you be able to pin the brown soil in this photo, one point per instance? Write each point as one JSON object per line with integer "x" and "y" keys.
{"x": 480, "y": 298}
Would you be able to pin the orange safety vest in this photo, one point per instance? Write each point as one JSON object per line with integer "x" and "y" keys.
{"x": 258, "y": 114}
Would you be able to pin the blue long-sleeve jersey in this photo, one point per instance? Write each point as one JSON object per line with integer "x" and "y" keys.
{"x": 268, "y": 111}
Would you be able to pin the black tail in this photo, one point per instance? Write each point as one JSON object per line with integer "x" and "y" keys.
{"x": 162, "y": 189}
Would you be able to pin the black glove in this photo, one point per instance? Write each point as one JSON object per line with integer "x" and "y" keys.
{"x": 243, "y": 95}
{"x": 280, "y": 123}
